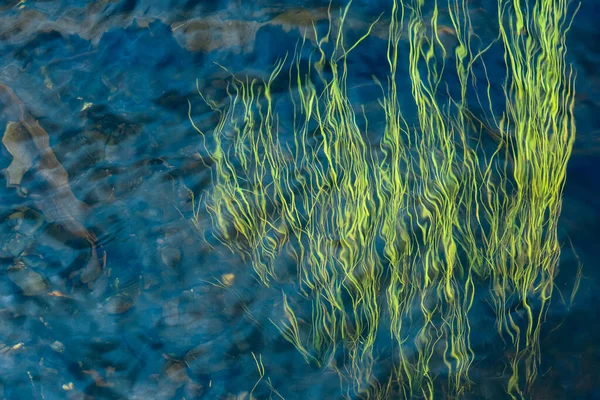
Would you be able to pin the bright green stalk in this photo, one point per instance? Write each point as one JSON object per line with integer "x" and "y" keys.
{"x": 452, "y": 214}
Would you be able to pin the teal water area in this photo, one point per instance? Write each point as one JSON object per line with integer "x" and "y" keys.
{"x": 107, "y": 291}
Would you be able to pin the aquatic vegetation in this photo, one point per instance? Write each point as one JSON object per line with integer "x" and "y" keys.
{"x": 393, "y": 239}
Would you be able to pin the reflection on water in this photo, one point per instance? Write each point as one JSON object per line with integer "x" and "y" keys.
{"x": 106, "y": 291}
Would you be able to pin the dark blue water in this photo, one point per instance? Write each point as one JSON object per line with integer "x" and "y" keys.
{"x": 120, "y": 306}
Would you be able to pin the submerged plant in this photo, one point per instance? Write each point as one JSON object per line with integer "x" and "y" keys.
{"x": 392, "y": 238}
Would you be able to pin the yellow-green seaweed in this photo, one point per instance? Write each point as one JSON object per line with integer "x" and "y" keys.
{"x": 452, "y": 213}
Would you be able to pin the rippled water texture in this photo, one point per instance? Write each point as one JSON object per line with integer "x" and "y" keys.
{"x": 105, "y": 287}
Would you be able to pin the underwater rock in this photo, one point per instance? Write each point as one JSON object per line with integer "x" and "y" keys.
{"x": 26, "y": 221}
{"x": 193, "y": 390}
{"x": 170, "y": 312}
{"x": 209, "y": 34}
{"x": 60, "y": 204}
{"x": 66, "y": 206}
{"x": 170, "y": 256}
{"x": 176, "y": 372}
{"x": 34, "y": 261}
{"x": 220, "y": 32}
{"x": 16, "y": 28}
{"x": 118, "y": 304}
{"x": 207, "y": 359}
{"x": 13, "y": 245}
{"x": 91, "y": 271}
{"x": 57, "y": 346}
{"x": 227, "y": 279}
{"x": 241, "y": 396}
{"x": 29, "y": 281}
{"x": 17, "y": 141}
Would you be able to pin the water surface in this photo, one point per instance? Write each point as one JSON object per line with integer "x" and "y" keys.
{"x": 135, "y": 315}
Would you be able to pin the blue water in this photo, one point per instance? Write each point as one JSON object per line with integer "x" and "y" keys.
{"x": 109, "y": 81}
